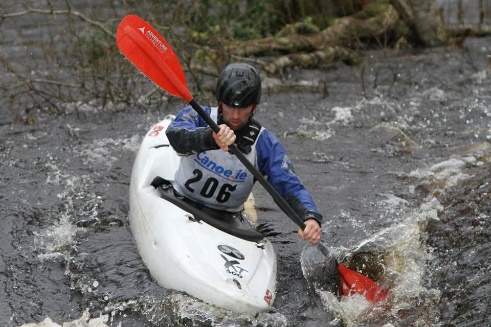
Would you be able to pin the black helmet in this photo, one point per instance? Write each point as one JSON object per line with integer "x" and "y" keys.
{"x": 239, "y": 86}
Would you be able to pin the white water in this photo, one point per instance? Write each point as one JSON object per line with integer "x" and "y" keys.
{"x": 404, "y": 255}
{"x": 83, "y": 321}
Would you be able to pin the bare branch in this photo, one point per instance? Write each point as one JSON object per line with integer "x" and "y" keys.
{"x": 61, "y": 12}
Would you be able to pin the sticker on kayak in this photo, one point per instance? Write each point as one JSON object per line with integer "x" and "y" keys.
{"x": 268, "y": 297}
{"x": 228, "y": 250}
{"x": 155, "y": 130}
{"x": 232, "y": 266}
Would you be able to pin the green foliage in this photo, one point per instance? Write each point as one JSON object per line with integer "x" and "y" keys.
{"x": 209, "y": 22}
{"x": 371, "y": 10}
{"x": 319, "y": 12}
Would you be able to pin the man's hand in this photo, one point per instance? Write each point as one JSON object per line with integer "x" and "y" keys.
{"x": 224, "y": 138}
{"x": 312, "y": 231}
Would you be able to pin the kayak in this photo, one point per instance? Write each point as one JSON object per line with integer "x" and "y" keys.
{"x": 208, "y": 254}
{"x": 186, "y": 247}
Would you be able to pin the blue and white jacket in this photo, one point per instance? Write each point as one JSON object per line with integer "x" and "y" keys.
{"x": 217, "y": 179}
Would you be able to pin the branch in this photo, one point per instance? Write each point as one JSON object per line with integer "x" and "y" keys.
{"x": 61, "y": 12}
{"x": 468, "y": 30}
{"x": 346, "y": 30}
{"x": 312, "y": 59}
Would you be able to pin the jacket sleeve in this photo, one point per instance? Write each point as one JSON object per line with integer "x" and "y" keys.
{"x": 189, "y": 133}
{"x": 273, "y": 162}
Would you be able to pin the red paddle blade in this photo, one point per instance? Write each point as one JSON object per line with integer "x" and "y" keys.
{"x": 353, "y": 282}
{"x": 152, "y": 55}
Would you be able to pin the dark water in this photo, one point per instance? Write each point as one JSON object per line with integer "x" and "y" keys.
{"x": 402, "y": 177}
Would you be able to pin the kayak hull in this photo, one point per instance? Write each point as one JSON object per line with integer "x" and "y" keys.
{"x": 184, "y": 252}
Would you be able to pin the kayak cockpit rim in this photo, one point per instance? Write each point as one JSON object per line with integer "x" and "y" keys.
{"x": 166, "y": 192}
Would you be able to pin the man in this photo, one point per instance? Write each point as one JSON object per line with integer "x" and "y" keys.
{"x": 209, "y": 175}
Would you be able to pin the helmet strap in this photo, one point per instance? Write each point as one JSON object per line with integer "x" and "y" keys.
{"x": 220, "y": 112}
{"x": 253, "y": 111}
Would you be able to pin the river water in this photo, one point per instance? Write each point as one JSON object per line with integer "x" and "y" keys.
{"x": 401, "y": 174}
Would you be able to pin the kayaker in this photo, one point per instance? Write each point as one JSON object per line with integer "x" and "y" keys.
{"x": 211, "y": 176}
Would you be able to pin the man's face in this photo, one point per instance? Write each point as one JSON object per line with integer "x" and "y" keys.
{"x": 236, "y": 118}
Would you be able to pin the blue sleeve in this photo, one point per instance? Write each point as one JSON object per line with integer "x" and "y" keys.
{"x": 188, "y": 133}
{"x": 189, "y": 119}
{"x": 273, "y": 162}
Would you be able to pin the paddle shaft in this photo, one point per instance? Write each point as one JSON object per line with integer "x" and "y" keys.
{"x": 233, "y": 148}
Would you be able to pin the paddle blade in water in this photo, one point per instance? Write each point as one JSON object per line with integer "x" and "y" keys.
{"x": 353, "y": 282}
{"x": 151, "y": 53}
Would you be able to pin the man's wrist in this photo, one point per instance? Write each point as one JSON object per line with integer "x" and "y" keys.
{"x": 313, "y": 215}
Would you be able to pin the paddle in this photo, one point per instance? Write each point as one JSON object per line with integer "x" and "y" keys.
{"x": 353, "y": 282}
{"x": 350, "y": 281}
{"x": 154, "y": 57}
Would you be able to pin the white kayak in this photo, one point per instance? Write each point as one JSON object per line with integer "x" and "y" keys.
{"x": 186, "y": 249}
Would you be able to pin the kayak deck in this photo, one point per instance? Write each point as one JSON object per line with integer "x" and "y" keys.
{"x": 228, "y": 222}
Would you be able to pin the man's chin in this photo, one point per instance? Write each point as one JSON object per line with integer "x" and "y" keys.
{"x": 235, "y": 127}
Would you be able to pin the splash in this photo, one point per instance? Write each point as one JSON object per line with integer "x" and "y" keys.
{"x": 105, "y": 150}
{"x": 179, "y": 309}
{"x": 398, "y": 256}
{"x": 83, "y": 321}
{"x": 58, "y": 240}
{"x": 395, "y": 257}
